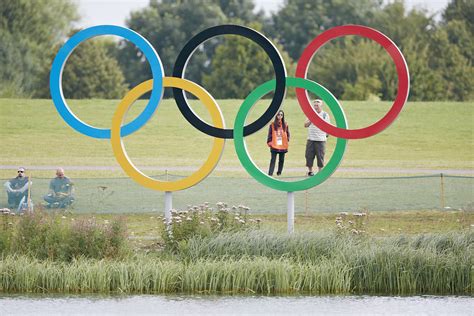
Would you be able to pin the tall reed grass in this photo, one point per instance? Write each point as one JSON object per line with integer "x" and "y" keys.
{"x": 144, "y": 275}
{"x": 432, "y": 263}
{"x": 265, "y": 263}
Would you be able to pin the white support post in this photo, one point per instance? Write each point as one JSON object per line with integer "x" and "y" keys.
{"x": 168, "y": 206}
{"x": 291, "y": 212}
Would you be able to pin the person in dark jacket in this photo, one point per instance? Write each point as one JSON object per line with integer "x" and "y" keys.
{"x": 278, "y": 139}
{"x": 17, "y": 188}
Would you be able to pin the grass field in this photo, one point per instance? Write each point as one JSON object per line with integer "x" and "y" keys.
{"x": 145, "y": 226}
{"x": 435, "y": 135}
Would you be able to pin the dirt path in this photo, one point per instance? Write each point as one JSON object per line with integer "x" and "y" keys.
{"x": 302, "y": 170}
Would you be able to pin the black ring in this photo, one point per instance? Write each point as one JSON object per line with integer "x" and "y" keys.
{"x": 262, "y": 41}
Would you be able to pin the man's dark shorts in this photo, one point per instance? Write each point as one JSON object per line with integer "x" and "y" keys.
{"x": 315, "y": 149}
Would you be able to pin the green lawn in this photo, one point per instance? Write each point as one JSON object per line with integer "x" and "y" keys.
{"x": 144, "y": 228}
{"x": 426, "y": 135}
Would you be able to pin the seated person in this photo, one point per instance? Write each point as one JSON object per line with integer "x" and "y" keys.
{"x": 60, "y": 193}
{"x": 17, "y": 188}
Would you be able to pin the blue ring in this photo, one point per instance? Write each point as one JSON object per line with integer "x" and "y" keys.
{"x": 55, "y": 83}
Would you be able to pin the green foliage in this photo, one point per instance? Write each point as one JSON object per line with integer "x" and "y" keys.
{"x": 299, "y": 21}
{"x": 202, "y": 221}
{"x": 439, "y": 53}
{"x": 91, "y": 72}
{"x": 259, "y": 262}
{"x": 460, "y": 10}
{"x": 168, "y": 26}
{"x": 52, "y": 237}
{"x": 461, "y": 37}
{"x": 240, "y": 9}
{"x": 239, "y": 66}
{"x": 5, "y": 231}
{"x": 354, "y": 223}
{"x": 29, "y": 32}
{"x": 457, "y": 72}
{"x": 312, "y": 246}
{"x": 355, "y": 69}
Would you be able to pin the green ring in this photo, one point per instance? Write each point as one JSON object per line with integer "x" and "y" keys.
{"x": 249, "y": 165}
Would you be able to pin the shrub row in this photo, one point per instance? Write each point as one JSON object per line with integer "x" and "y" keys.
{"x": 51, "y": 236}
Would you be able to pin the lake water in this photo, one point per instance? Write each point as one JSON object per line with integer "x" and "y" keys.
{"x": 234, "y": 305}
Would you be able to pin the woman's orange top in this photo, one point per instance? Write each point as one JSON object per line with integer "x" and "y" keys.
{"x": 279, "y": 137}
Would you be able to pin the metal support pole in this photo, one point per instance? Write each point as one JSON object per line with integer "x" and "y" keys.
{"x": 291, "y": 212}
{"x": 443, "y": 203}
{"x": 28, "y": 201}
{"x": 168, "y": 206}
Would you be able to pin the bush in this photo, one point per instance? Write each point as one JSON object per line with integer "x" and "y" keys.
{"x": 203, "y": 221}
{"x": 354, "y": 223}
{"x": 45, "y": 236}
{"x": 5, "y": 230}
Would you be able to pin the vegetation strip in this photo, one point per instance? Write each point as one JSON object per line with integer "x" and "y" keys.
{"x": 264, "y": 263}
{"x": 225, "y": 251}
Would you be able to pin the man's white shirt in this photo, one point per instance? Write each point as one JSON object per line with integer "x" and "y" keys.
{"x": 314, "y": 133}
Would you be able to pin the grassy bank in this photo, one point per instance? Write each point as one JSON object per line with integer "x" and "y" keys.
{"x": 264, "y": 263}
{"x": 207, "y": 251}
{"x": 148, "y": 226}
{"x": 423, "y": 136}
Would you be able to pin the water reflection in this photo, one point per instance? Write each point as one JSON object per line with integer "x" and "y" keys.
{"x": 234, "y": 305}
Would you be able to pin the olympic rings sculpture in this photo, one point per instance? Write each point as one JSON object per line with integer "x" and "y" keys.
{"x": 179, "y": 84}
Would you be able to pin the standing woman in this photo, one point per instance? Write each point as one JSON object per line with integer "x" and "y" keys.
{"x": 278, "y": 139}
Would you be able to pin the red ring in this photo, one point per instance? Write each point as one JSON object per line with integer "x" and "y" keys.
{"x": 402, "y": 72}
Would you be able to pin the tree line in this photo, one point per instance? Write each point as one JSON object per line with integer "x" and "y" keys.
{"x": 439, "y": 49}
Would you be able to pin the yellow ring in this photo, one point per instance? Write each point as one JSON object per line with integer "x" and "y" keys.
{"x": 129, "y": 167}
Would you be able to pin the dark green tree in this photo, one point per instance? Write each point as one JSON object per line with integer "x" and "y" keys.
{"x": 354, "y": 68}
{"x": 460, "y": 35}
{"x": 240, "y": 9}
{"x": 168, "y": 25}
{"x": 29, "y": 33}
{"x": 452, "y": 48}
{"x": 458, "y": 21}
{"x": 91, "y": 73}
{"x": 238, "y": 67}
{"x": 426, "y": 83}
{"x": 412, "y": 32}
{"x": 457, "y": 71}
{"x": 460, "y": 10}
{"x": 299, "y": 21}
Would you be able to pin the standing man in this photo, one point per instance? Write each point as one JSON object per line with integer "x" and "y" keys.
{"x": 316, "y": 143}
{"x": 17, "y": 188}
{"x": 60, "y": 191}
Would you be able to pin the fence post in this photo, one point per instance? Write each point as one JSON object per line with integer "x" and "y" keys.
{"x": 28, "y": 201}
{"x": 306, "y": 202}
{"x": 442, "y": 200}
{"x": 291, "y": 212}
{"x": 168, "y": 206}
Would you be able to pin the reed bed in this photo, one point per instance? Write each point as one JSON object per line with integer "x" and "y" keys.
{"x": 264, "y": 263}
{"x": 316, "y": 245}
{"x": 420, "y": 264}
{"x": 143, "y": 275}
